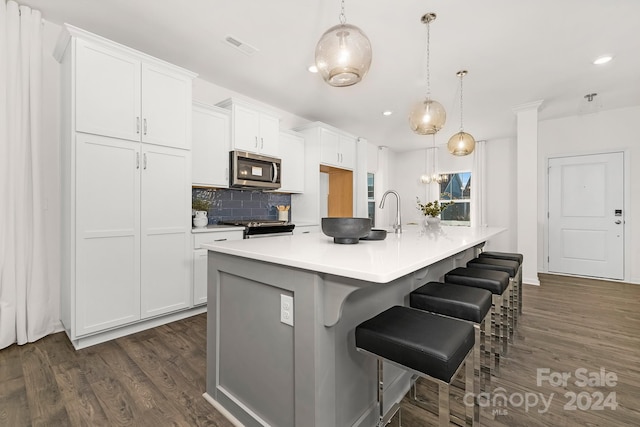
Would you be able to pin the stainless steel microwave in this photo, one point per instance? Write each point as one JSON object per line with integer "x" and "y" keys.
{"x": 248, "y": 170}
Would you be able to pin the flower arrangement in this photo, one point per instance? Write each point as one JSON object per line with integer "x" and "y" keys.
{"x": 200, "y": 205}
{"x": 432, "y": 209}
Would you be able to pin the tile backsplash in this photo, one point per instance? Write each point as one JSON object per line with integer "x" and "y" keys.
{"x": 229, "y": 204}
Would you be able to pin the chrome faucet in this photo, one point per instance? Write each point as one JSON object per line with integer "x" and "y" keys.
{"x": 397, "y": 227}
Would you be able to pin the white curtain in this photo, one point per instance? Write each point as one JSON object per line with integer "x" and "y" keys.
{"x": 25, "y": 301}
{"x": 478, "y": 186}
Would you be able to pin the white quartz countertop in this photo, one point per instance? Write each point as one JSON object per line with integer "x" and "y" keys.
{"x": 371, "y": 260}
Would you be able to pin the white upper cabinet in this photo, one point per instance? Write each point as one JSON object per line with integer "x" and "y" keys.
{"x": 125, "y": 94}
{"x": 107, "y": 92}
{"x": 252, "y": 129}
{"x": 166, "y": 107}
{"x": 210, "y": 146}
{"x": 337, "y": 149}
{"x": 292, "y": 156}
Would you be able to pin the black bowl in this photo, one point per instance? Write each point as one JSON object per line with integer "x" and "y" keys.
{"x": 375, "y": 234}
{"x": 346, "y": 230}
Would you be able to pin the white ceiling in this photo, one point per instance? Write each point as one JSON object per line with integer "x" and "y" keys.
{"x": 515, "y": 51}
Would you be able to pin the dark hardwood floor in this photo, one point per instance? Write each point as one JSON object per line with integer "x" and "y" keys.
{"x": 157, "y": 377}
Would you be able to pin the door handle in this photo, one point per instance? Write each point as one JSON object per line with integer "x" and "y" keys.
{"x": 144, "y": 161}
{"x": 618, "y": 221}
{"x": 138, "y": 124}
{"x": 137, "y": 160}
{"x": 144, "y": 126}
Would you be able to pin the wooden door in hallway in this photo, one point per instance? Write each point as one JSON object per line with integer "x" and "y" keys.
{"x": 586, "y": 217}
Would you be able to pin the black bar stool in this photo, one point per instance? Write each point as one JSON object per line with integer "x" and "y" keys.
{"x": 497, "y": 282}
{"x": 510, "y": 267}
{"x": 465, "y": 303}
{"x": 426, "y": 344}
{"x": 511, "y": 256}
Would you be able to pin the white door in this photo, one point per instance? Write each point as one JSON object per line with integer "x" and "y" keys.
{"x": 107, "y": 214}
{"x": 586, "y": 218}
{"x": 165, "y": 270}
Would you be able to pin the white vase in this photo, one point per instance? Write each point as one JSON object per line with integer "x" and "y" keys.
{"x": 200, "y": 220}
{"x": 432, "y": 221}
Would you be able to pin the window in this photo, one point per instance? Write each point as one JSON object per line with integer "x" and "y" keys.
{"x": 456, "y": 188}
{"x": 371, "y": 202}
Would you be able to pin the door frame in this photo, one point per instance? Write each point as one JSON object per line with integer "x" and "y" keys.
{"x": 627, "y": 205}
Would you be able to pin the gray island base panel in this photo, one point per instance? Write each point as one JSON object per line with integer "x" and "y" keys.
{"x": 267, "y": 373}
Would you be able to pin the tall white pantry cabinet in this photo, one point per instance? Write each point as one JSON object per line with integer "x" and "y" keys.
{"x": 126, "y": 188}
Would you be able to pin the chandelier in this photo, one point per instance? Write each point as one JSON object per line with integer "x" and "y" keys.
{"x": 434, "y": 177}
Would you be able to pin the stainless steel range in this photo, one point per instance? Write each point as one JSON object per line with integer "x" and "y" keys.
{"x": 263, "y": 227}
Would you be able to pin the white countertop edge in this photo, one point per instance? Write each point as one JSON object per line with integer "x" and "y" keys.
{"x": 215, "y": 227}
{"x": 362, "y": 273}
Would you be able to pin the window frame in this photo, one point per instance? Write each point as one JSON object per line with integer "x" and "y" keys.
{"x": 468, "y": 200}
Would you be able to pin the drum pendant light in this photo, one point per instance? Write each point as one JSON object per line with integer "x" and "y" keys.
{"x": 427, "y": 117}
{"x": 461, "y": 143}
{"x": 343, "y": 54}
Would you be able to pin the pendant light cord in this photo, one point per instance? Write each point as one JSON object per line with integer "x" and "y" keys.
{"x": 342, "y": 17}
{"x": 428, "y": 54}
{"x": 461, "y": 109}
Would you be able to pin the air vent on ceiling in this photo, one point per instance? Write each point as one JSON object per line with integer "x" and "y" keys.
{"x": 243, "y": 47}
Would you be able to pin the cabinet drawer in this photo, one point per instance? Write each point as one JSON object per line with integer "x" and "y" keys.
{"x": 216, "y": 236}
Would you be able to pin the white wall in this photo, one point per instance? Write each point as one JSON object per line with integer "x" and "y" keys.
{"x": 500, "y": 196}
{"x": 610, "y": 130}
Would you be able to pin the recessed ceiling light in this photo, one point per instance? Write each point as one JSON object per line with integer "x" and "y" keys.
{"x": 602, "y": 59}
{"x": 387, "y": 113}
{"x": 312, "y": 69}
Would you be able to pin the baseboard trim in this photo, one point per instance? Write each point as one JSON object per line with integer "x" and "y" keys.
{"x": 233, "y": 420}
{"x": 88, "y": 341}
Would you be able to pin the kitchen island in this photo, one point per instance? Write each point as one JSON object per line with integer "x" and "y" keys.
{"x": 279, "y": 363}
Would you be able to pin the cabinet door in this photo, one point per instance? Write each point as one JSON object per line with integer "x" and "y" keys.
{"x": 269, "y": 135}
{"x": 292, "y": 156}
{"x": 166, "y": 107}
{"x": 210, "y": 147}
{"x": 107, "y": 211}
{"x": 246, "y": 129}
{"x": 107, "y": 92}
{"x": 329, "y": 147}
{"x": 165, "y": 229}
{"x": 347, "y": 152}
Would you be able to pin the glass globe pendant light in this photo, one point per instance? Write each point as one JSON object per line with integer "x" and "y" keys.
{"x": 343, "y": 54}
{"x": 428, "y": 116}
{"x": 461, "y": 143}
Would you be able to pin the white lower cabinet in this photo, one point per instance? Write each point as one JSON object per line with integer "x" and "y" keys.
{"x": 165, "y": 230}
{"x": 200, "y": 259}
{"x": 132, "y": 232}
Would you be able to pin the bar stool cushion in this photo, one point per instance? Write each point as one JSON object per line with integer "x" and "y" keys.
{"x": 433, "y": 345}
{"x": 505, "y": 265}
{"x": 461, "y": 302}
{"x": 511, "y": 256}
{"x": 491, "y": 280}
